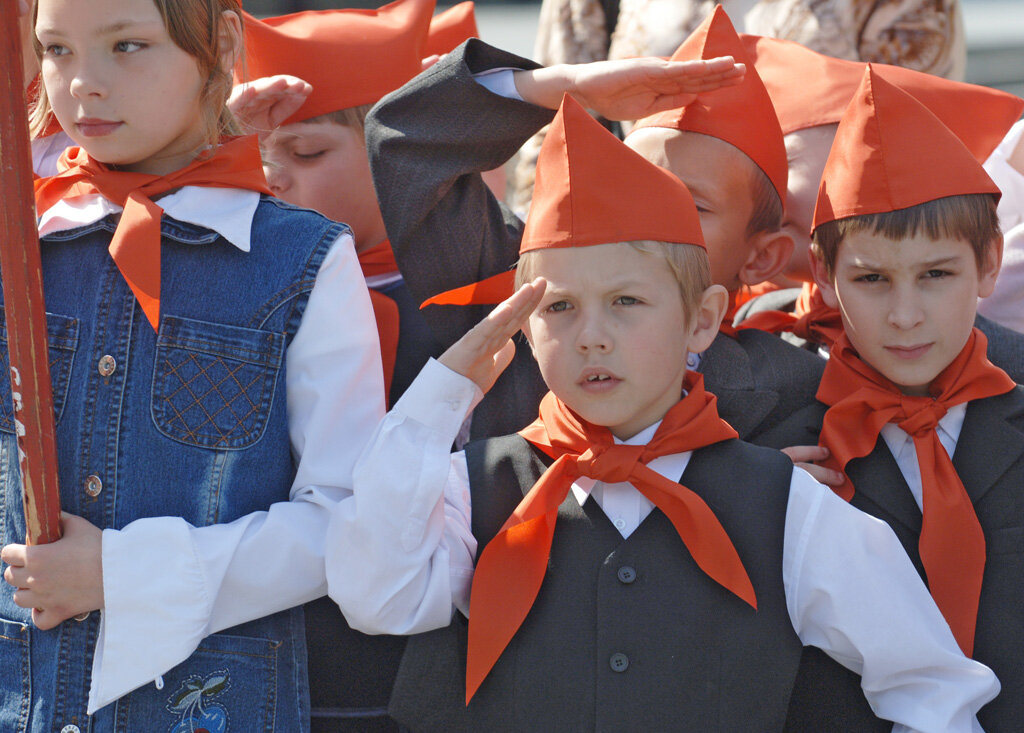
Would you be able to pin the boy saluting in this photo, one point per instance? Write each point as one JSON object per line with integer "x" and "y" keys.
{"x": 926, "y": 429}
{"x": 611, "y": 596}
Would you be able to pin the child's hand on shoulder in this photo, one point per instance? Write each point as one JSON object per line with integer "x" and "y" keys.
{"x": 484, "y": 352}
{"x": 804, "y": 456}
{"x": 61, "y": 579}
{"x": 263, "y": 104}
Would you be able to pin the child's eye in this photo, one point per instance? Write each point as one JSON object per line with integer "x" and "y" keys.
{"x": 934, "y": 274}
{"x": 129, "y": 46}
{"x": 55, "y": 49}
{"x": 558, "y": 307}
{"x": 627, "y": 300}
{"x": 871, "y": 277}
{"x": 309, "y": 156}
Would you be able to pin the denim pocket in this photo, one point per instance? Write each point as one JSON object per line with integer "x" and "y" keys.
{"x": 228, "y": 684}
{"x": 62, "y": 340}
{"x": 15, "y": 682}
{"x": 213, "y": 384}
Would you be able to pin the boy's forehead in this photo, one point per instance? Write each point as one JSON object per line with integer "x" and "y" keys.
{"x": 695, "y": 158}
{"x": 871, "y": 249}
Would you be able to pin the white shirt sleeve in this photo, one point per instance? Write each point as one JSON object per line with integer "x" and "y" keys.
{"x": 211, "y": 578}
{"x": 852, "y": 591}
{"x": 400, "y": 550}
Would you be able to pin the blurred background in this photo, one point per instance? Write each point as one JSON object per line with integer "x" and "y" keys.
{"x": 994, "y": 30}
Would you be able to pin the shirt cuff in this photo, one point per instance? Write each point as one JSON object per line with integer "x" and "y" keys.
{"x": 499, "y": 81}
{"x": 141, "y": 602}
{"x": 439, "y": 398}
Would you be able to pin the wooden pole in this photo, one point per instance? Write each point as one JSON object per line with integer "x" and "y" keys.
{"x": 24, "y": 308}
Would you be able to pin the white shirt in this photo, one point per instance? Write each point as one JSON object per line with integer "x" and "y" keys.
{"x": 901, "y": 445}
{"x": 401, "y": 558}
{"x": 215, "y": 577}
{"x": 1006, "y": 304}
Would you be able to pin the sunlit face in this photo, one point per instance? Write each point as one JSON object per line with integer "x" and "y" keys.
{"x": 119, "y": 85}
{"x": 611, "y": 335}
{"x": 719, "y": 178}
{"x": 908, "y": 306}
{"x": 324, "y": 166}
{"x": 807, "y": 151}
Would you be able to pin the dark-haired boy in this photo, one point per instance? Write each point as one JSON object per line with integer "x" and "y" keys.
{"x": 929, "y": 433}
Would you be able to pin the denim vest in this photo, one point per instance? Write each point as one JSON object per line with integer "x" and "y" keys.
{"x": 189, "y": 421}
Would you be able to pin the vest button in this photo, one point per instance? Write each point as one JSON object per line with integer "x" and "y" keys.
{"x": 70, "y": 729}
{"x": 619, "y": 662}
{"x": 106, "y": 365}
{"x": 626, "y": 574}
{"x": 93, "y": 485}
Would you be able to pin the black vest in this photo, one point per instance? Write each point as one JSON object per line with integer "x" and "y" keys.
{"x": 827, "y": 695}
{"x": 625, "y": 634}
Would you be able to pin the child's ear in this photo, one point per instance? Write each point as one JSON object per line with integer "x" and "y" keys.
{"x": 990, "y": 270}
{"x": 710, "y": 310}
{"x": 822, "y": 279}
{"x": 229, "y": 39}
{"x": 769, "y": 255}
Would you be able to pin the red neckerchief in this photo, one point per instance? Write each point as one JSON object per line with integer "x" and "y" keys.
{"x": 511, "y": 567}
{"x": 862, "y": 401}
{"x": 135, "y": 246}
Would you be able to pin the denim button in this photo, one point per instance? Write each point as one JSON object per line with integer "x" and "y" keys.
{"x": 619, "y": 662}
{"x": 107, "y": 365}
{"x": 93, "y": 485}
{"x": 626, "y": 574}
{"x": 70, "y": 729}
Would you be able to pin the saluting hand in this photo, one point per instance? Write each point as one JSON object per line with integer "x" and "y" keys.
{"x": 484, "y": 351}
{"x": 628, "y": 89}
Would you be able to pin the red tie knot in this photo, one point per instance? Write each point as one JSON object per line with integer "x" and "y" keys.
{"x": 612, "y": 464}
{"x": 920, "y": 415}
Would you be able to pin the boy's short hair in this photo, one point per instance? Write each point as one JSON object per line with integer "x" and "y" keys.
{"x": 766, "y": 213}
{"x": 971, "y": 218}
{"x": 354, "y": 117}
{"x": 688, "y": 263}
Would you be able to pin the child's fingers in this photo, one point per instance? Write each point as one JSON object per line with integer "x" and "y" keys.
{"x": 18, "y": 577}
{"x": 806, "y": 453}
{"x": 13, "y": 554}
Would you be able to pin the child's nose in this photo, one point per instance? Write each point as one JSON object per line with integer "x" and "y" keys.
{"x": 905, "y": 309}
{"x": 593, "y": 336}
{"x": 277, "y": 178}
{"x": 87, "y": 81}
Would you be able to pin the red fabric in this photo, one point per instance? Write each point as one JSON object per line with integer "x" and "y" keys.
{"x": 809, "y": 89}
{"x": 862, "y": 401}
{"x": 380, "y": 260}
{"x": 741, "y": 115}
{"x": 350, "y": 56}
{"x": 812, "y": 320}
{"x": 591, "y": 189}
{"x": 891, "y": 153}
{"x": 511, "y": 567}
{"x": 135, "y": 245}
{"x": 577, "y": 204}
{"x": 450, "y": 28}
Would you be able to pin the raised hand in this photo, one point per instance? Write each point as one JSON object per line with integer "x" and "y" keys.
{"x": 485, "y": 350}
{"x": 628, "y": 89}
{"x": 263, "y": 104}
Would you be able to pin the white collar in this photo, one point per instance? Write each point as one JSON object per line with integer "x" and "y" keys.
{"x": 949, "y": 427}
{"x": 582, "y": 486}
{"x": 227, "y": 211}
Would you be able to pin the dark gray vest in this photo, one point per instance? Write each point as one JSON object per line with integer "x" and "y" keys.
{"x": 625, "y": 634}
